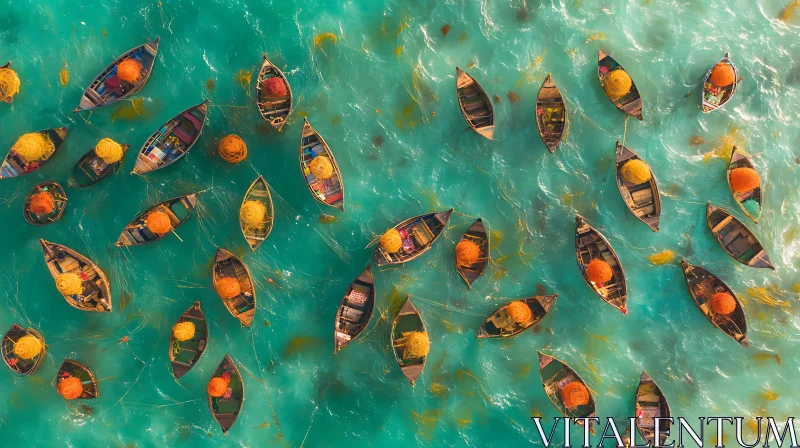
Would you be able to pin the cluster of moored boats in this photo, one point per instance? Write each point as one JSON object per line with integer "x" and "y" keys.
{"x": 84, "y": 285}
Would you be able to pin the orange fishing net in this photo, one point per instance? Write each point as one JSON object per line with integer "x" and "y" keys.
{"x": 467, "y": 253}
{"x": 42, "y": 203}
{"x": 575, "y": 394}
{"x": 599, "y": 271}
{"x": 228, "y": 288}
{"x": 519, "y": 311}
{"x": 723, "y": 303}
{"x": 232, "y": 149}
{"x": 744, "y": 179}
{"x": 130, "y": 70}
{"x": 158, "y": 223}
{"x": 70, "y": 388}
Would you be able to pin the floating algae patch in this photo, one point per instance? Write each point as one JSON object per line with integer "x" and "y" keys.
{"x": 243, "y": 78}
{"x": 497, "y": 237}
{"x": 789, "y": 11}
{"x": 125, "y": 300}
{"x": 662, "y": 258}
{"x": 63, "y": 76}
{"x": 768, "y": 296}
{"x": 395, "y": 301}
{"x": 319, "y": 39}
{"x": 409, "y": 116}
{"x": 326, "y": 219}
{"x": 303, "y": 344}
{"x": 130, "y": 110}
{"x": 769, "y": 394}
{"x": 513, "y": 97}
{"x": 445, "y": 29}
{"x": 767, "y": 356}
{"x": 210, "y": 84}
{"x": 725, "y": 147}
{"x": 426, "y": 421}
{"x": 597, "y": 35}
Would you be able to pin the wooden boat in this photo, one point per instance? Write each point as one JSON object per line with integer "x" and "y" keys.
{"x": 136, "y": 232}
{"x": 476, "y": 107}
{"x": 96, "y": 295}
{"x": 652, "y": 403}
{"x": 183, "y": 355}
{"x": 243, "y": 306}
{"x": 8, "y": 99}
{"x": 355, "y": 311}
{"x": 643, "y": 200}
{"x": 631, "y": 103}
{"x": 715, "y": 97}
{"x": 590, "y": 245}
{"x": 258, "y": 191}
{"x": 740, "y": 160}
{"x": 173, "y": 140}
{"x": 702, "y": 286}
{"x": 552, "y": 118}
{"x": 737, "y": 240}
{"x": 73, "y": 368}
{"x": 478, "y": 235}
{"x": 15, "y": 165}
{"x": 555, "y": 377}
{"x": 418, "y": 233}
{"x": 91, "y": 169}
{"x": 98, "y": 95}
{"x": 407, "y": 320}
{"x": 328, "y": 191}
{"x": 226, "y": 411}
{"x": 60, "y": 197}
{"x": 275, "y": 110}
{"x": 499, "y": 325}
{"x": 15, "y": 363}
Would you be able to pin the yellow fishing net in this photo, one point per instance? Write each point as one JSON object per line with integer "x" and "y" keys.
{"x": 321, "y": 167}
{"x": 183, "y": 331}
{"x": 69, "y": 284}
{"x": 391, "y": 241}
{"x": 27, "y": 347}
{"x": 9, "y": 84}
{"x": 34, "y": 147}
{"x": 416, "y": 344}
{"x": 109, "y": 150}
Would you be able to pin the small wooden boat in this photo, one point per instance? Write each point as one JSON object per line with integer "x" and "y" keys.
{"x": 184, "y": 354}
{"x": 477, "y": 234}
{"x": 552, "y": 118}
{"x": 173, "y": 140}
{"x": 590, "y": 245}
{"x": 418, "y": 234}
{"x": 328, "y": 191}
{"x": 556, "y": 375}
{"x": 15, "y": 165}
{"x": 407, "y": 320}
{"x": 243, "y": 306}
{"x": 476, "y": 107}
{"x": 702, "y": 286}
{"x": 96, "y": 295}
{"x": 73, "y": 368}
{"x": 740, "y": 160}
{"x": 136, "y": 232}
{"x": 91, "y": 169}
{"x": 355, "y": 311}
{"x": 98, "y": 94}
{"x": 500, "y": 325}
{"x": 9, "y": 99}
{"x": 630, "y": 103}
{"x": 16, "y": 363}
{"x": 226, "y": 410}
{"x": 275, "y": 110}
{"x": 652, "y": 403}
{"x": 714, "y": 96}
{"x": 60, "y": 203}
{"x": 643, "y": 200}
{"x": 255, "y": 235}
{"x": 737, "y": 240}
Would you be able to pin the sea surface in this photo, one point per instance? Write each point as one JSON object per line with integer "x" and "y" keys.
{"x": 377, "y": 80}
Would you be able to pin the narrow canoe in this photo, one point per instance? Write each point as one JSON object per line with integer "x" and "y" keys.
{"x": 740, "y": 160}
{"x": 408, "y": 320}
{"x": 328, "y": 191}
{"x": 226, "y": 410}
{"x": 652, "y": 403}
{"x": 476, "y": 107}
{"x": 15, "y": 363}
{"x": 355, "y": 310}
{"x": 275, "y": 110}
{"x": 60, "y": 201}
{"x": 96, "y": 294}
{"x": 91, "y": 169}
{"x": 98, "y": 95}
{"x": 552, "y": 118}
{"x": 136, "y": 232}
{"x": 183, "y": 355}
{"x": 73, "y": 368}
{"x": 500, "y": 325}
{"x": 243, "y": 306}
{"x": 15, "y": 165}
{"x": 255, "y": 235}
{"x": 737, "y": 240}
{"x": 702, "y": 286}
{"x": 714, "y": 97}
{"x": 418, "y": 234}
{"x": 477, "y": 234}
{"x": 9, "y": 99}
{"x": 590, "y": 245}
{"x": 173, "y": 140}
{"x": 631, "y": 102}
{"x": 556, "y": 375}
{"x": 643, "y": 200}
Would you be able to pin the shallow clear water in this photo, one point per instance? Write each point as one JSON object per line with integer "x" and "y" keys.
{"x": 372, "y": 94}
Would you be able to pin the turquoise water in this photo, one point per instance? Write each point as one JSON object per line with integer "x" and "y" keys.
{"x": 398, "y": 160}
